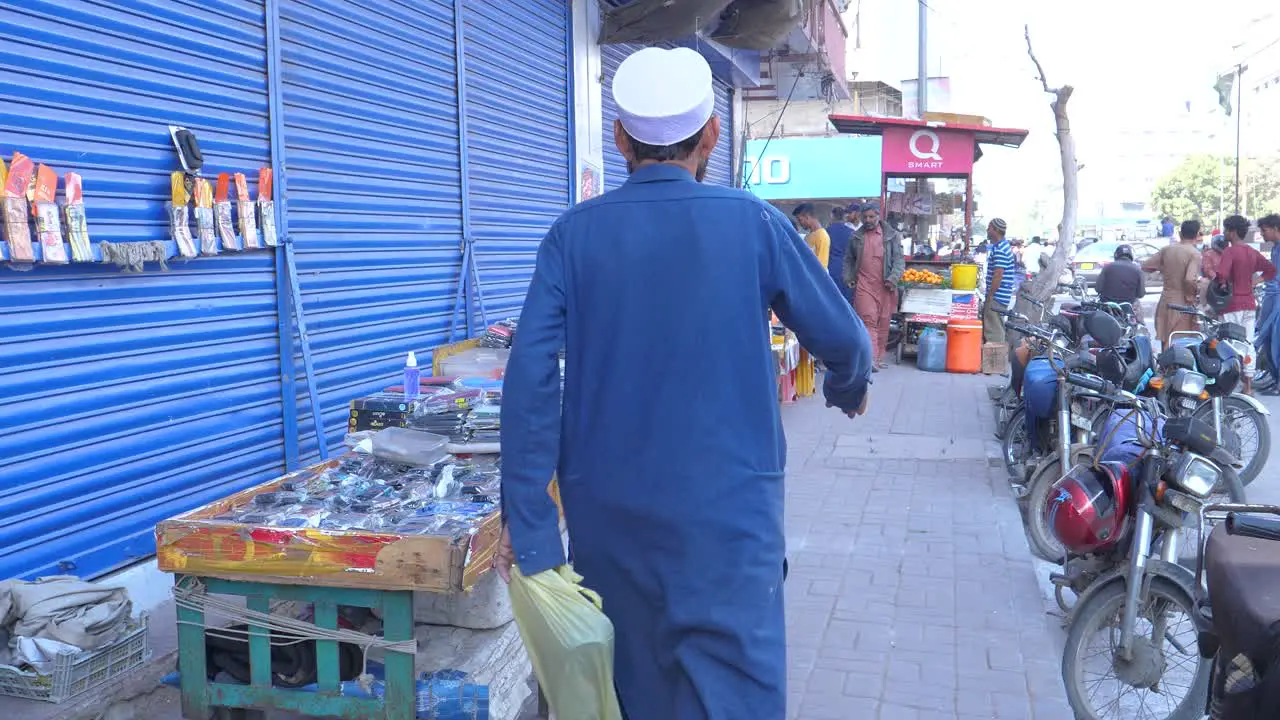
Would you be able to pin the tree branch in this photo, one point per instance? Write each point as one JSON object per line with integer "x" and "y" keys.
{"x": 1026, "y": 29}
{"x": 1043, "y": 285}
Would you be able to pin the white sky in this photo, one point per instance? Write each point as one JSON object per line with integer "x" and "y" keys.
{"x": 1130, "y": 61}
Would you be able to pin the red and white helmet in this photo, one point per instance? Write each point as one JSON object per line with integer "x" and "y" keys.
{"x": 1088, "y": 507}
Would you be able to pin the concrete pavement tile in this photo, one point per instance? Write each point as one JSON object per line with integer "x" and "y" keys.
{"x": 911, "y": 537}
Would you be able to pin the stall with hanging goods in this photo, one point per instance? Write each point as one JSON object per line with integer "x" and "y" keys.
{"x": 927, "y": 189}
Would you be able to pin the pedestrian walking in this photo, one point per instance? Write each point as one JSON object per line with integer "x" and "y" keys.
{"x": 873, "y": 265}
{"x": 1269, "y": 229}
{"x": 1268, "y": 327}
{"x": 1241, "y": 269}
{"x": 1179, "y": 268}
{"x": 839, "y": 232}
{"x": 816, "y": 238}
{"x": 1001, "y": 272}
{"x": 669, "y": 448}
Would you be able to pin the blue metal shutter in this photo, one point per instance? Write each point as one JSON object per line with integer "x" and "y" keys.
{"x": 126, "y": 399}
{"x": 720, "y": 164}
{"x": 518, "y": 138}
{"x": 371, "y": 135}
{"x": 720, "y": 167}
{"x": 615, "y": 166}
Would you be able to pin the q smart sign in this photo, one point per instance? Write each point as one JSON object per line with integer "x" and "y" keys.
{"x": 812, "y": 168}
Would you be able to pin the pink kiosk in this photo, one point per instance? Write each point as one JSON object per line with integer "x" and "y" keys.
{"x": 926, "y": 174}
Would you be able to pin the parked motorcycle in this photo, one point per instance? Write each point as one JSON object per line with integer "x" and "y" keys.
{"x": 1239, "y": 421}
{"x": 1143, "y": 606}
{"x": 1083, "y": 412}
{"x": 1238, "y": 611}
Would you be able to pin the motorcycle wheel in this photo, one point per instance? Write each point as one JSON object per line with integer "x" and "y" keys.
{"x": 1040, "y": 537}
{"x": 1015, "y": 446}
{"x": 1101, "y": 608}
{"x": 1235, "y": 412}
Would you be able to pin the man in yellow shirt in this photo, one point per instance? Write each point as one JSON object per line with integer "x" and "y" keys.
{"x": 817, "y": 238}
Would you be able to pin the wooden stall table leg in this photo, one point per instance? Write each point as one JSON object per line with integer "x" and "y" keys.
{"x": 191, "y": 661}
{"x": 328, "y": 673}
{"x": 397, "y": 625}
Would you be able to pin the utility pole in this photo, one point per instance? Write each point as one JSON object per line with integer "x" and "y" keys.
{"x": 1239, "y": 115}
{"x": 922, "y": 81}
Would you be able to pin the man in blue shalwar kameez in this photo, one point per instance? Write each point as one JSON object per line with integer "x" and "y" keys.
{"x": 669, "y": 448}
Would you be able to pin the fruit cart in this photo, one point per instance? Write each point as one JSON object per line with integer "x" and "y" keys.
{"x": 928, "y": 300}
{"x": 924, "y": 301}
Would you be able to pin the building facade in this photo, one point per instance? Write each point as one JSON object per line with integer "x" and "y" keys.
{"x": 1260, "y": 101}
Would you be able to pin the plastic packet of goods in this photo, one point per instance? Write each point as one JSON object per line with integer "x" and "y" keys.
{"x": 277, "y": 498}
{"x": 258, "y": 517}
{"x": 460, "y": 509}
{"x": 351, "y": 521}
{"x": 411, "y": 447}
{"x": 308, "y": 515}
{"x": 433, "y": 525}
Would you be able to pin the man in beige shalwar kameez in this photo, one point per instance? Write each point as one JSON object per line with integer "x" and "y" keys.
{"x": 1179, "y": 265}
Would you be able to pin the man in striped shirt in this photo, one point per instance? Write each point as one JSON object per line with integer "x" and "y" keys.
{"x": 1000, "y": 276}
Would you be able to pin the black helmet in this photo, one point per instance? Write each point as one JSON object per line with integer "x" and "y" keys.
{"x": 1176, "y": 357}
{"x": 1123, "y": 252}
{"x": 1221, "y": 364}
{"x": 1130, "y": 367}
{"x": 1219, "y": 242}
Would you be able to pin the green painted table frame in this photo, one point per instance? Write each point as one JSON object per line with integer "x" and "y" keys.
{"x": 201, "y": 697}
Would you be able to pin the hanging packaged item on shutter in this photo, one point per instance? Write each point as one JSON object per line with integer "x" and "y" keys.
{"x": 267, "y": 208}
{"x": 204, "y": 217}
{"x": 73, "y": 215}
{"x": 17, "y": 230}
{"x": 179, "y": 215}
{"x": 222, "y": 213}
{"x": 48, "y": 222}
{"x": 244, "y": 206}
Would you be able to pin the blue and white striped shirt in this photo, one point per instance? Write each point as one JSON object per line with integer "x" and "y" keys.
{"x": 1001, "y": 256}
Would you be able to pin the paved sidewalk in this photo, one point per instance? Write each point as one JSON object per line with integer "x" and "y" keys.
{"x": 912, "y": 593}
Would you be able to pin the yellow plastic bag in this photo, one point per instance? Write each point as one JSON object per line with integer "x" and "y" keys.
{"x": 570, "y": 642}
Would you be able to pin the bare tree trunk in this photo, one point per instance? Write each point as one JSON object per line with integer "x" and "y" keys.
{"x": 1042, "y": 287}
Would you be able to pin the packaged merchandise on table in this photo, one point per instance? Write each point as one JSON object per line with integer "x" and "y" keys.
{"x": 500, "y": 334}
{"x": 483, "y": 424}
{"x": 395, "y": 512}
{"x": 477, "y": 362}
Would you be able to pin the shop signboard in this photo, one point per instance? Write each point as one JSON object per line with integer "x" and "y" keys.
{"x": 812, "y": 168}
{"x": 927, "y": 151}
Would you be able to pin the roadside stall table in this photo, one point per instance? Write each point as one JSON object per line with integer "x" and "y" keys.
{"x": 923, "y": 306}
{"x": 379, "y": 570}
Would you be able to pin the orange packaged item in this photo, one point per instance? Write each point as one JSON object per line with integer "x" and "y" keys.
{"x": 248, "y": 214}
{"x": 222, "y": 213}
{"x": 48, "y": 218}
{"x": 17, "y": 230}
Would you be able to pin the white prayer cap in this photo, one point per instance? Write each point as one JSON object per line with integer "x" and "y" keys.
{"x": 663, "y": 96}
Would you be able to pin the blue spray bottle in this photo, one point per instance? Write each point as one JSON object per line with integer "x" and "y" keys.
{"x": 411, "y": 377}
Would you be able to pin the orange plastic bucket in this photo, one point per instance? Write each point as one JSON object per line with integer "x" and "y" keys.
{"x": 964, "y": 346}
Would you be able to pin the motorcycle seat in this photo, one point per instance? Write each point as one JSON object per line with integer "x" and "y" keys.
{"x": 1244, "y": 588}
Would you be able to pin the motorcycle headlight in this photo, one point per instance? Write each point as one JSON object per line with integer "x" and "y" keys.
{"x": 1195, "y": 474}
{"x": 1188, "y": 382}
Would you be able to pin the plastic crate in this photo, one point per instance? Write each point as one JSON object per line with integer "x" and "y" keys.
{"x": 75, "y": 674}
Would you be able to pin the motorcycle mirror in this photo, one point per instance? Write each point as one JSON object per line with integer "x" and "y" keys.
{"x": 1104, "y": 328}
